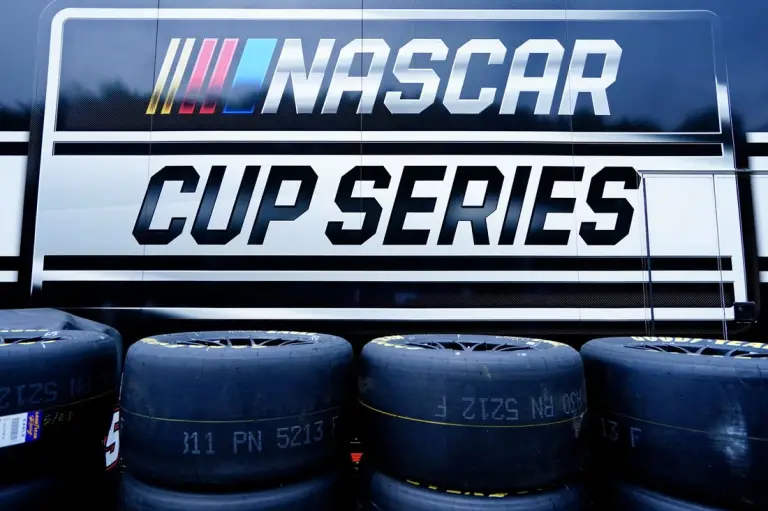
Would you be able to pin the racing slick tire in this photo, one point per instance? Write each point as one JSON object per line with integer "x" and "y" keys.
{"x": 57, "y": 396}
{"x": 472, "y": 412}
{"x": 39, "y": 321}
{"x": 226, "y": 409}
{"x": 387, "y": 494}
{"x": 325, "y": 493}
{"x": 626, "y": 497}
{"x": 686, "y": 416}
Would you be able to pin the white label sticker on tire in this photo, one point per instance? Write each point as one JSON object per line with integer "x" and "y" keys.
{"x": 20, "y": 428}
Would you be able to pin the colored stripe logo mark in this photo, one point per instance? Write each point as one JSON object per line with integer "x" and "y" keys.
{"x": 249, "y": 76}
{"x": 162, "y": 77}
{"x": 219, "y": 76}
{"x": 178, "y": 74}
{"x": 198, "y": 76}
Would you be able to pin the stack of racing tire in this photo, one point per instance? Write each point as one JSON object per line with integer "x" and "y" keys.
{"x": 236, "y": 421}
{"x": 679, "y": 424}
{"x": 471, "y": 422}
{"x": 59, "y": 376}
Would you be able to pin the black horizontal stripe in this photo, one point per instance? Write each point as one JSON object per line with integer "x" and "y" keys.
{"x": 758, "y": 149}
{"x": 762, "y": 263}
{"x": 386, "y": 148}
{"x": 9, "y": 263}
{"x": 382, "y": 263}
{"x": 11, "y": 295}
{"x": 14, "y": 149}
{"x": 409, "y": 295}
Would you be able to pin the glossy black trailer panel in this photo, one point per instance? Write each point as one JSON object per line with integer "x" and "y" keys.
{"x": 561, "y": 164}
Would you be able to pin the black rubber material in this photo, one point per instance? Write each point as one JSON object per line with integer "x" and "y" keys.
{"x": 93, "y": 490}
{"x": 626, "y": 497}
{"x": 61, "y": 388}
{"x": 685, "y": 416}
{"x": 226, "y": 409}
{"x": 35, "y": 495}
{"x": 98, "y": 491}
{"x": 472, "y": 412}
{"x": 326, "y": 493}
{"x": 387, "y": 494}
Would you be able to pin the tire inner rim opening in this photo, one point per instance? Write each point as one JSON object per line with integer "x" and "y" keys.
{"x": 707, "y": 351}
{"x": 28, "y": 340}
{"x": 466, "y": 346}
{"x": 244, "y": 341}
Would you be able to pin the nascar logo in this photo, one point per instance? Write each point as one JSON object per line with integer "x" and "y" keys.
{"x": 250, "y": 77}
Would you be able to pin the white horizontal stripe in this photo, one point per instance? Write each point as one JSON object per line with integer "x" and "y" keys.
{"x": 758, "y": 163}
{"x": 756, "y": 138}
{"x": 381, "y": 14}
{"x": 385, "y": 276}
{"x": 9, "y": 276}
{"x": 14, "y": 136}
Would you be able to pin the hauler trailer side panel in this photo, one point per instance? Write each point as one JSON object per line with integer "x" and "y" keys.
{"x": 568, "y": 163}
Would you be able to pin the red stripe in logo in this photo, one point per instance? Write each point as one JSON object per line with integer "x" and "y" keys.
{"x": 198, "y": 76}
{"x": 220, "y": 71}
